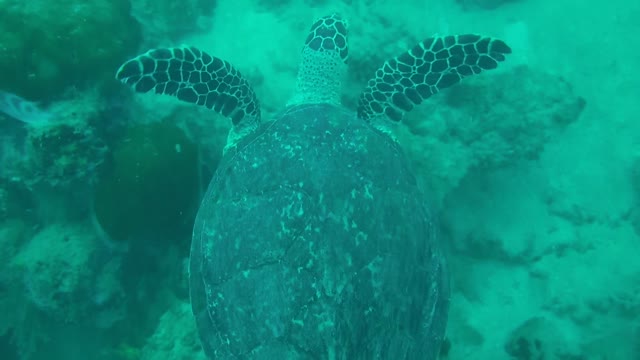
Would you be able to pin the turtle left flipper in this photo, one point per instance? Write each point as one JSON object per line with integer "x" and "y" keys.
{"x": 432, "y": 65}
{"x": 193, "y": 76}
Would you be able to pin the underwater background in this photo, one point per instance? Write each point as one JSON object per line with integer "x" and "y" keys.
{"x": 533, "y": 169}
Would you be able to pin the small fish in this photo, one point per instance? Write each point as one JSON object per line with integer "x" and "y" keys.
{"x": 23, "y": 110}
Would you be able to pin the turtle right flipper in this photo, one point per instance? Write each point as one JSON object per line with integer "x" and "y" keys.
{"x": 195, "y": 77}
{"x": 434, "y": 64}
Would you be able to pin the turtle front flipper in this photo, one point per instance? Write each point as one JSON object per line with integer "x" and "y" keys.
{"x": 434, "y": 64}
{"x": 323, "y": 65}
{"x": 193, "y": 76}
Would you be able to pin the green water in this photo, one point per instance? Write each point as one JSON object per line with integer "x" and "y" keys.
{"x": 531, "y": 170}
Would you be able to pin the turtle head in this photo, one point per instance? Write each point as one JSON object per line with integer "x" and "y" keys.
{"x": 323, "y": 65}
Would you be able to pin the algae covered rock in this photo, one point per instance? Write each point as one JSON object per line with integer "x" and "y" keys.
{"x": 47, "y": 47}
{"x": 484, "y": 126}
{"x": 540, "y": 338}
{"x": 64, "y": 155}
{"x": 519, "y": 112}
{"x": 60, "y": 272}
{"x": 171, "y": 20}
{"x": 152, "y": 186}
{"x": 175, "y": 336}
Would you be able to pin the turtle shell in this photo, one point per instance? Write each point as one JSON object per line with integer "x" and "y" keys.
{"x": 314, "y": 241}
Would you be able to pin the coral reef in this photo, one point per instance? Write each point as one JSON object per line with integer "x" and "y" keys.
{"x": 482, "y": 126}
{"x": 63, "y": 153}
{"x": 57, "y": 283}
{"x": 539, "y": 338}
{"x": 543, "y": 256}
{"x": 61, "y": 277}
{"x": 51, "y": 167}
{"x": 168, "y": 21}
{"x": 50, "y": 47}
{"x": 175, "y": 337}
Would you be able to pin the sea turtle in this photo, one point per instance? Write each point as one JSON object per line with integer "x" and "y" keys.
{"x": 313, "y": 240}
